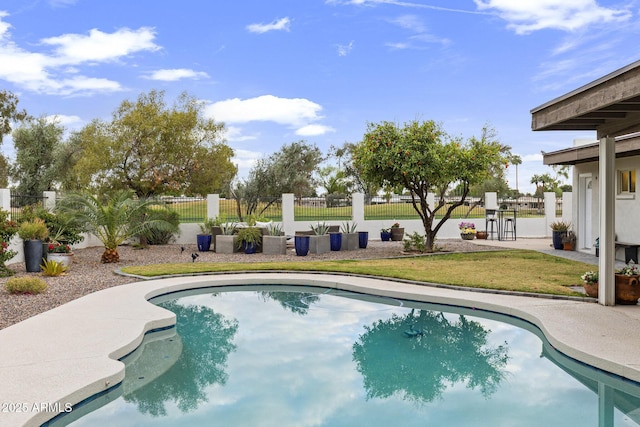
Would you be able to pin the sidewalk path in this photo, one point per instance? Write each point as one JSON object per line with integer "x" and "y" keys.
{"x": 544, "y": 245}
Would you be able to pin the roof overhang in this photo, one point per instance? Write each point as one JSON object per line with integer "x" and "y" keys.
{"x": 610, "y": 106}
{"x": 626, "y": 146}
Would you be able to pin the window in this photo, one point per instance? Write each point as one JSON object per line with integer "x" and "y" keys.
{"x": 627, "y": 181}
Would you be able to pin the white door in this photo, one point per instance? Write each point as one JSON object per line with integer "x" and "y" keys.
{"x": 586, "y": 213}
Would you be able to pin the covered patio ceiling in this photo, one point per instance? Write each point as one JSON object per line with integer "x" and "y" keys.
{"x": 610, "y": 106}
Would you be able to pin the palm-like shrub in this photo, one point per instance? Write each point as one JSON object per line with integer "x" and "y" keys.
{"x": 113, "y": 219}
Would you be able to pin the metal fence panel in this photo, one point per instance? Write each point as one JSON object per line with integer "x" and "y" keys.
{"x": 19, "y": 202}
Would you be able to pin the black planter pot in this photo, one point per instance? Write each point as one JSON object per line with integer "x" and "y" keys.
{"x": 32, "y": 255}
{"x": 204, "y": 242}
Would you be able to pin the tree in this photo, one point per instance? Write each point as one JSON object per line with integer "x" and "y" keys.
{"x": 496, "y": 181}
{"x": 9, "y": 113}
{"x": 443, "y": 353}
{"x": 289, "y": 170}
{"x": 152, "y": 148}
{"x": 422, "y": 158}
{"x": 37, "y": 143}
{"x": 113, "y": 219}
{"x": 353, "y": 176}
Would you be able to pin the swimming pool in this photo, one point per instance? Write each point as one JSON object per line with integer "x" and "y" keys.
{"x": 325, "y": 357}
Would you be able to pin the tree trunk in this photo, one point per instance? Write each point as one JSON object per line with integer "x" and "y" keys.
{"x": 110, "y": 256}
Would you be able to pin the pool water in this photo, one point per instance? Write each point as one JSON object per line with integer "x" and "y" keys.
{"x": 329, "y": 358}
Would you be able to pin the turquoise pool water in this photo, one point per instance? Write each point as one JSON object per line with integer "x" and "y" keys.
{"x": 265, "y": 357}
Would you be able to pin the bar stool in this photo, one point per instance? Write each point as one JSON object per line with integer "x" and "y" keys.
{"x": 509, "y": 227}
{"x": 492, "y": 220}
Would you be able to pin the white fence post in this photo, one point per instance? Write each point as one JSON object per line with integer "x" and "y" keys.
{"x": 491, "y": 200}
{"x": 5, "y": 199}
{"x": 213, "y": 205}
{"x": 567, "y": 206}
{"x": 288, "y": 217}
{"x": 549, "y": 211}
{"x": 49, "y": 200}
{"x": 357, "y": 208}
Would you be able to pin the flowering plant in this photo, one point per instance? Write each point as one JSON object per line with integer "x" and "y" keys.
{"x": 467, "y": 228}
{"x": 7, "y": 229}
{"x": 58, "y": 248}
{"x": 385, "y": 230}
{"x": 396, "y": 225}
{"x": 630, "y": 269}
{"x": 590, "y": 277}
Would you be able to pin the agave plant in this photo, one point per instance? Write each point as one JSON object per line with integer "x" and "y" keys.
{"x": 114, "y": 219}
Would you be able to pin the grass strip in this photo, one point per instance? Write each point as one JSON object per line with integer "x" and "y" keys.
{"x": 512, "y": 270}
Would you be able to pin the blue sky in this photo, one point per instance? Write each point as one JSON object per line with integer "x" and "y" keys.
{"x": 283, "y": 70}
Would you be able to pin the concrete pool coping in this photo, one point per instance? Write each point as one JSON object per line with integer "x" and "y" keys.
{"x": 69, "y": 353}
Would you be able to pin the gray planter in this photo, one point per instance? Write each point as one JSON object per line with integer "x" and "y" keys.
{"x": 274, "y": 245}
{"x": 319, "y": 244}
{"x": 349, "y": 242}
{"x": 226, "y": 244}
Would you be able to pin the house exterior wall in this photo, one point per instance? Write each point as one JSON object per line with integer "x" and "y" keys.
{"x": 627, "y": 226}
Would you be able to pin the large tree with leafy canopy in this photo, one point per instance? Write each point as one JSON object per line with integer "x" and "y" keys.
{"x": 423, "y": 158}
{"x": 37, "y": 143}
{"x": 9, "y": 113}
{"x": 153, "y": 148}
{"x": 289, "y": 170}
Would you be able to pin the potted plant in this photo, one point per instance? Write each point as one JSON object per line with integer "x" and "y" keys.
{"x": 559, "y": 230}
{"x": 350, "y": 236}
{"x": 385, "y": 234}
{"x": 274, "y": 242}
{"x": 320, "y": 242}
{"x": 205, "y": 235}
{"x": 226, "y": 242}
{"x": 248, "y": 239}
{"x": 590, "y": 283}
{"x": 627, "y": 286}
{"x": 467, "y": 230}
{"x": 61, "y": 253}
{"x": 569, "y": 241}
{"x": 397, "y": 232}
{"x": 33, "y": 233}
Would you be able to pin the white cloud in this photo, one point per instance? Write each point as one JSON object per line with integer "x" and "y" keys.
{"x": 537, "y": 157}
{"x": 410, "y": 22}
{"x": 344, "y": 50}
{"x": 421, "y": 37}
{"x": 236, "y": 134}
{"x": 276, "y": 25}
{"x": 58, "y": 72}
{"x": 172, "y": 75}
{"x": 294, "y": 112}
{"x": 314, "y": 130}
{"x": 526, "y": 16}
{"x": 100, "y": 47}
{"x": 244, "y": 160}
{"x": 65, "y": 120}
{"x": 402, "y": 4}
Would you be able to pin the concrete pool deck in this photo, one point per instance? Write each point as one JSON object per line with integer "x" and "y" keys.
{"x": 62, "y": 356}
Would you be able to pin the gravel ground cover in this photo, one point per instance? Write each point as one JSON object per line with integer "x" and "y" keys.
{"x": 88, "y": 274}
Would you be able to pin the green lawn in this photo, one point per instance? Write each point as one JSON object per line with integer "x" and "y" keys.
{"x": 512, "y": 270}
